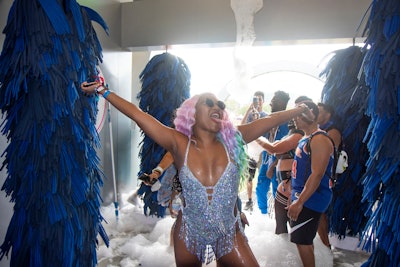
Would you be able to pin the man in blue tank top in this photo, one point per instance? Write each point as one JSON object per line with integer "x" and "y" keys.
{"x": 311, "y": 187}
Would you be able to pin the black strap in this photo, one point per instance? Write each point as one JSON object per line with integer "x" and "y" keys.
{"x": 333, "y": 175}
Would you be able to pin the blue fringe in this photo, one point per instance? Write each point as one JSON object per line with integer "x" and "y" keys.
{"x": 347, "y": 94}
{"x": 165, "y": 85}
{"x": 381, "y": 179}
{"x": 53, "y": 174}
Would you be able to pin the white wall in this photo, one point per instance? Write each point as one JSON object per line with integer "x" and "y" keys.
{"x": 159, "y": 22}
{"x": 6, "y": 208}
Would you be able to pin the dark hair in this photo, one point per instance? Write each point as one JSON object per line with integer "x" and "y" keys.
{"x": 328, "y": 108}
{"x": 283, "y": 96}
{"x": 302, "y": 98}
{"x": 259, "y": 93}
{"x": 313, "y": 107}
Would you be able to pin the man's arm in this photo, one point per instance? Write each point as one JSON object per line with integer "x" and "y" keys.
{"x": 336, "y": 136}
{"x": 280, "y": 146}
{"x": 255, "y": 129}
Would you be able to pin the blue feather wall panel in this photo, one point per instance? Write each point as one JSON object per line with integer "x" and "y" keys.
{"x": 369, "y": 117}
{"x": 381, "y": 181}
{"x": 346, "y": 92}
{"x": 165, "y": 85}
{"x": 53, "y": 174}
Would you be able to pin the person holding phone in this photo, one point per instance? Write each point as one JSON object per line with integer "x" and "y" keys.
{"x": 254, "y": 112}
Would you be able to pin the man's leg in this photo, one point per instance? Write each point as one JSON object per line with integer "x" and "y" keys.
{"x": 263, "y": 185}
{"x": 249, "y": 203}
{"x": 306, "y": 253}
{"x": 252, "y": 172}
{"x": 262, "y": 188}
{"x": 323, "y": 230}
{"x": 249, "y": 189}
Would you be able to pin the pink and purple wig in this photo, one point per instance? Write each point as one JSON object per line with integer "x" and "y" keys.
{"x": 228, "y": 135}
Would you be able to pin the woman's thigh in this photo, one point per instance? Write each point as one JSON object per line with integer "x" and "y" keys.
{"x": 182, "y": 256}
{"x": 241, "y": 255}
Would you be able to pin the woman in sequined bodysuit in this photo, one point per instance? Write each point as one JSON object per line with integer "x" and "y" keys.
{"x": 209, "y": 152}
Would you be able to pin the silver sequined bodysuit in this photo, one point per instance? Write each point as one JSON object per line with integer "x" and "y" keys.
{"x": 209, "y": 226}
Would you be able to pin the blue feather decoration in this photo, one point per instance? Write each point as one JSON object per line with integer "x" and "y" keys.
{"x": 53, "y": 174}
{"x": 348, "y": 95}
{"x": 165, "y": 85}
{"x": 370, "y": 118}
{"x": 382, "y": 177}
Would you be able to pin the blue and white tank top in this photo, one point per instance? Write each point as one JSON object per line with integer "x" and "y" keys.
{"x": 301, "y": 170}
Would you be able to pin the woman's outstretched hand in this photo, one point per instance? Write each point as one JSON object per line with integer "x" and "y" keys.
{"x": 90, "y": 87}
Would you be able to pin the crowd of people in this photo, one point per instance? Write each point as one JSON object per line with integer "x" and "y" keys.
{"x": 210, "y": 159}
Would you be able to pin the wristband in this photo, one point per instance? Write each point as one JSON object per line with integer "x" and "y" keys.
{"x": 106, "y": 93}
{"x": 158, "y": 169}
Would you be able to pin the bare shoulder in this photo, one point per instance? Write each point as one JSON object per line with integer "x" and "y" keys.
{"x": 334, "y": 132}
{"x": 321, "y": 141}
{"x": 336, "y": 136}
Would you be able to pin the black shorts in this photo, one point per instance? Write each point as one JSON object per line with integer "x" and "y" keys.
{"x": 305, "y": 234}
{"x": 252, "y": 169}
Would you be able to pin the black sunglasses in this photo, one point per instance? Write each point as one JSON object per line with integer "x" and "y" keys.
{"x": 210, "y": 103}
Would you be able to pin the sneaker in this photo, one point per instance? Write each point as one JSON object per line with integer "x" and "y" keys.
{"x": 249, "y": 205}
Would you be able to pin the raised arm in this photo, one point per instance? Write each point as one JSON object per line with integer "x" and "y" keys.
{"x": 161, "y": 134}
{"x": 255, "y": 129}
{"x": 281, "y": 146}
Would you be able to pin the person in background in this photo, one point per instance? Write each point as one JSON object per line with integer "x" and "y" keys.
{"x": 311, "y": 192}
{"x": 209, "y": 153}
{"x": 278, "y": 103}
{"x": 284, "y": 152}
{"x": 326, "y": 123}
{"x": 302, "y": 99}
{"x": 254, "y": 112}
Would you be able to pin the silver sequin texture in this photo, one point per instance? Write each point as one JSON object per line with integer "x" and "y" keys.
{"x": 208, "y": 227}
